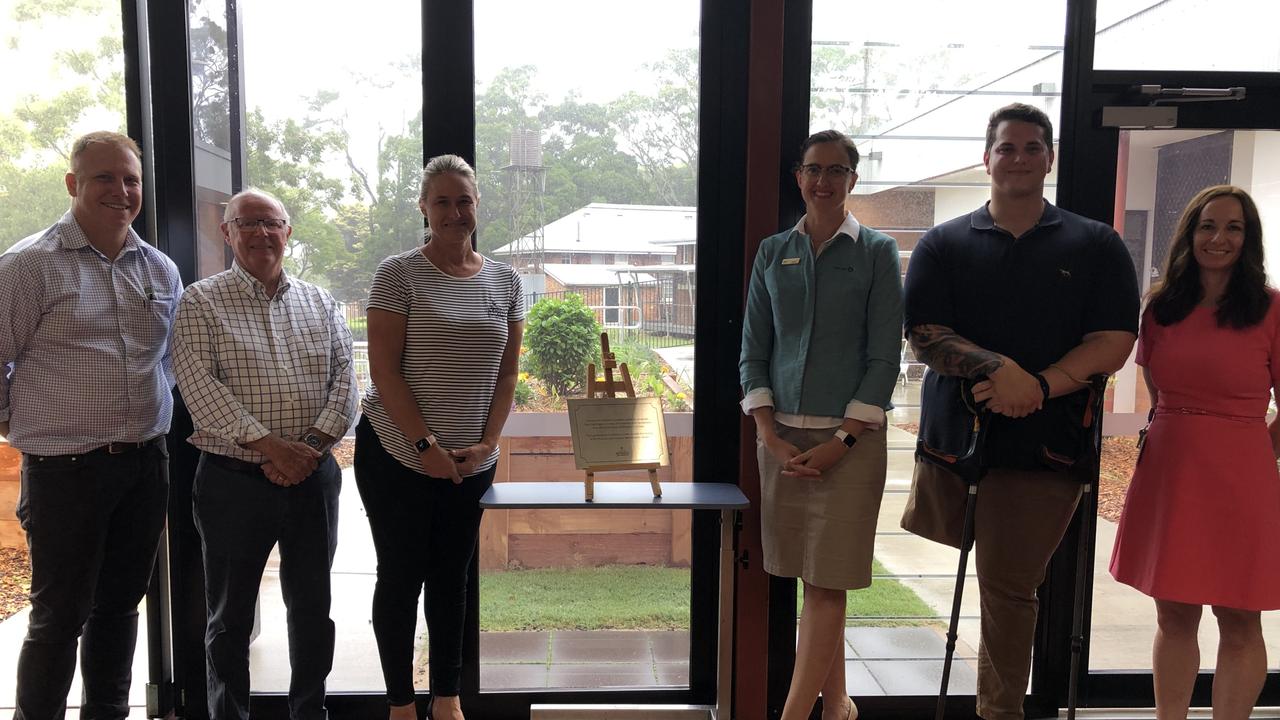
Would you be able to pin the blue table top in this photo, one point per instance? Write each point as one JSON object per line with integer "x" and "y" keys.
{"x": 634, "y": 495}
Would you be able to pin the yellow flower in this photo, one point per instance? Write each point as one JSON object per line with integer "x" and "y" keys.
{"x": 523, "y": 349}
{"x": 523, "y": 376}
{"x": 680, "y": 396}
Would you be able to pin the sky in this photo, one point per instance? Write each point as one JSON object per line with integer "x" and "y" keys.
{"x": 576, "y": 45}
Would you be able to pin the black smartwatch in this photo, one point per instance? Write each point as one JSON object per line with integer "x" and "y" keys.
{"x": 1044, "y": 385}
{"x": 845, "y": 437}
{"x": 424, "y": 444}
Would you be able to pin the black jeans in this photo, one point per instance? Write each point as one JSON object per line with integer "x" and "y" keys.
{"x": 424, "y": 532}
{"x": 93, "y": 523}
{"x": 240, "y": 517}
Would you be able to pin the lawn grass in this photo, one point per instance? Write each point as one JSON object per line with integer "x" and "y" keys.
{"x": 885, "y": 598}
{"x": 633, "y": 597}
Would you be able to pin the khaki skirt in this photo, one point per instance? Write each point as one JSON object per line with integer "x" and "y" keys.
{"x": 823, "y": 529}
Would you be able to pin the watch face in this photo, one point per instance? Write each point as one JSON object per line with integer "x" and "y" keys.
{"x": 312, "y": 440}
{"x": 422, "y": 445}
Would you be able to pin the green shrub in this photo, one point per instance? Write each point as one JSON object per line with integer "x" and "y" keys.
{"x": 524, "y": 393}
{"x": 562, "y": 337}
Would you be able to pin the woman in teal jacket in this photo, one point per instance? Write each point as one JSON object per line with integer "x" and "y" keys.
{"x": 820, "y": 348}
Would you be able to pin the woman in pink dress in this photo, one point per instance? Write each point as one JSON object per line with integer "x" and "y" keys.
{"x": 1201, "y": 521}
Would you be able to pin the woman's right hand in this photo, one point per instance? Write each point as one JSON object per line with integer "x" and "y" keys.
{"x": 437, "y": 463}
{"x": 780, "y": 449}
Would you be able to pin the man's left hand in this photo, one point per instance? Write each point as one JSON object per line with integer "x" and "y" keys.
{"x": 1010, "y": 391}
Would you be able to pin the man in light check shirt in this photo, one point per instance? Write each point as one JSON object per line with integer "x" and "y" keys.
{"x": 264, "y": 364}
{"x": 85, "y": 394}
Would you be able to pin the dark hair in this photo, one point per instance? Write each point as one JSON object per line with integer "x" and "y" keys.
{"x": 1246, "y": 299}
{"x": 1022, "y": 113}
{"x": 831, "y": 136}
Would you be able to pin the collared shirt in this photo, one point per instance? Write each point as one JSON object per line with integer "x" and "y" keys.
{"x": 84, "y": 341}
{"x": 250, "y": 365}
{"x": 821, "y": 335}
{"x": 872, "y": 415}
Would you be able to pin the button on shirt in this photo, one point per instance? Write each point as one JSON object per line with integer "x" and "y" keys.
{"x": 249, "y": 365}
{"x": 84, "y": 341}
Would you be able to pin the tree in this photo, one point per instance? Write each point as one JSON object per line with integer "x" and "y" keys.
{"x": 562, "y": 337}
{"x": 36, "y": 136}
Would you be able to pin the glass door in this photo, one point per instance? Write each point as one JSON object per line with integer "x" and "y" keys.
{"x": 1155, "y": 137}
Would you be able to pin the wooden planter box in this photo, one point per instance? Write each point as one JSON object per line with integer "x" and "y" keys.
{"x": 11, "y": 534}
{"x": 511, "y": 539}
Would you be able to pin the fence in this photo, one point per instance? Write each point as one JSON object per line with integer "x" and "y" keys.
{"x": 655, "y": 314}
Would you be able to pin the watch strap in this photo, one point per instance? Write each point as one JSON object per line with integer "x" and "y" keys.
{"x": 1044, "y": 385}
{"x": 846, "y": 438}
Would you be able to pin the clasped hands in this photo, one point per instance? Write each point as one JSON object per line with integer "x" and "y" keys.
{"x": 1010, "y": 391}
{"x": 289, "y": 462}
{"x": 454, "y": 464}
{"x": 811, "y": 462}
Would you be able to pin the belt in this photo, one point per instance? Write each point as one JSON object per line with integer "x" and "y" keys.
{"x": 111, "y": 448}
{"x": 119, "y": 448}
{"x": 1209, "y": 413}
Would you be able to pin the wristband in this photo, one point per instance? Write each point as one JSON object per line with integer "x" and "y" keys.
{"x": 1044, "y": 385}
{"x": 845, "y": 437}
{"x": 424, "y": 444}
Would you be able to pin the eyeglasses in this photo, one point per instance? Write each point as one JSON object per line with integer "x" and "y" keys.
{"x": 269, "y": 224}
{"x": 835, "y": 173}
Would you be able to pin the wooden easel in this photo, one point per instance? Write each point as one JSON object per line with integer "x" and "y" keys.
{"x": 608, "y": 388}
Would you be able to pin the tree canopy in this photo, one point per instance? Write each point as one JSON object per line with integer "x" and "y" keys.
{"x": 641, "y": 147}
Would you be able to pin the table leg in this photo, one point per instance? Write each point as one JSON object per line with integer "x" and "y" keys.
{"x": 724, "y": 638}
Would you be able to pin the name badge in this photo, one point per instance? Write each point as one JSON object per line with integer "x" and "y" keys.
{"x": 790, "y": 261}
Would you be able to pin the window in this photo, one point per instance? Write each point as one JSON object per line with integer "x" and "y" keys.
{"x": 586, "y": 146}
{"x": 915, "y": 97}
{"x": 71, "y": 82}
{"x": 341, "y": 145}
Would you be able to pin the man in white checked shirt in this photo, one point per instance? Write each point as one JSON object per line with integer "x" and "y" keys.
{"x": 85, "y": 394}
{"x": 263, "y": 361}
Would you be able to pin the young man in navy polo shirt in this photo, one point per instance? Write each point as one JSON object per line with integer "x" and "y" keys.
{"x": 1033, "y": 300}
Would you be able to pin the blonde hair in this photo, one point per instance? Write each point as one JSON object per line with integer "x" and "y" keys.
{"x": 105, "y": 137}
{"x": 441, "y": 164}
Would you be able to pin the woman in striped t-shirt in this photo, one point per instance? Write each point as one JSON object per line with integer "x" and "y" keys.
{"x": 445, "y": 325}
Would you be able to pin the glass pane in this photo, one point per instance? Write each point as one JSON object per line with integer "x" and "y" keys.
{"x": 915, "y": 97}
{"x": 1187, "y": 35}
{"x": 62, "y": 91}
{"x": 587, "y": 173}
{"x": 341, "y": 145}
{"x": 63, "y": 77}
{"x": 211, "y": 116}
{"x": 1159, "y": 171}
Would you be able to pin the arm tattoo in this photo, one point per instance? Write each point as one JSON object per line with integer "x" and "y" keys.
{"x": 947, "y": 353}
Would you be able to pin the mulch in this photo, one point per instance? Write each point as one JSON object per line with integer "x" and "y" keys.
{"x": 15, "y": 580}
{"x": 1119, "y": 457}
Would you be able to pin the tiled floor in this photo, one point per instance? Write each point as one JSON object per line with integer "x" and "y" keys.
{"x": 878, "y": 661}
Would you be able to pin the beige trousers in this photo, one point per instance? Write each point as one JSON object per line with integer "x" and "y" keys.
{"x": 1021, "y": 517}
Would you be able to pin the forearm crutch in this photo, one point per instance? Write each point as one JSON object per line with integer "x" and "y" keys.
{"x": 969, "y": 467}
{"x": 1092, "y": 424}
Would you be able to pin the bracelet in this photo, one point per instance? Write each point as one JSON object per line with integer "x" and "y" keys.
{"x": 1070, "y": 377}
{"x": 1044, "y": 384}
